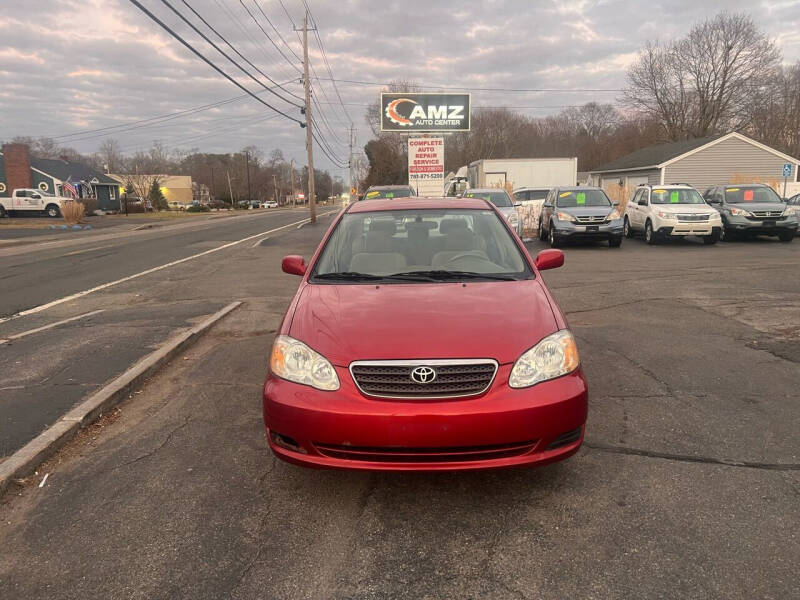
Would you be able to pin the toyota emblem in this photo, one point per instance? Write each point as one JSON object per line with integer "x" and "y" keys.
{"x": 423, "y": 375}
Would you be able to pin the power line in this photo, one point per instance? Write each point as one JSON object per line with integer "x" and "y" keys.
{"x": 150, "y": 121}
{"x": 258, "y": 5}
{"x": 169, "y": 30}
{"x": 266, "y": 35}
{"x": 477, "y": 89}
{"x": 217, "y": 48}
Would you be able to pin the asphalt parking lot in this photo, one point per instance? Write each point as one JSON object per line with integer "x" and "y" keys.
{"x": 688, "y": 485}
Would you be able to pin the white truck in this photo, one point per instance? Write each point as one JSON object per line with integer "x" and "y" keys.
{"x": 514, "y": 173}
{"x": 25, "y": 200}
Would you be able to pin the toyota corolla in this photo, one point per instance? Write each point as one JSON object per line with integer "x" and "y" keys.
{"x": 422, "y": 337}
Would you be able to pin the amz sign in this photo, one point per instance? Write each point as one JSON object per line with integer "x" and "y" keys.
{"x": 425, "y": 112}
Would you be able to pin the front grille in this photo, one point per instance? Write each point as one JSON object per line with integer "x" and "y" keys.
{"x": 767, "y": 213}
{"x": 693, "y": 218}
{"x": 591, "y": 219}
{"x": 399, "y": 454}
{"x": 453, "y": 378}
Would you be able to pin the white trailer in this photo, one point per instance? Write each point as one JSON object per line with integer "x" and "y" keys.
{"x": 514, "y": 173}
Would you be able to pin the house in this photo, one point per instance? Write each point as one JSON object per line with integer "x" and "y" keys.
{"x": 18, "y": 169}
{"x": 701, "y": 162}
{"x": 176, "y": 189}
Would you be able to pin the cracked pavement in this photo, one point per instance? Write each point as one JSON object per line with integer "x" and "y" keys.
{"x": 687, "y": 485}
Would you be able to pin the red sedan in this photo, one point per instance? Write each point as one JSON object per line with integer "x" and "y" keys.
{"x": 422, "y": 337}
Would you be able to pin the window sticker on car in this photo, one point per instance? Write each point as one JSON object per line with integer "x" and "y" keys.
{"x": 564, "y": 194}
{"x": 659, "y": 191}
{"x": 581, "y": 197}
{"x": 748, "y": 195}
{"x": 373, "y": 194}
{"x": 732, "y": 190}
{"x": 390, "y": 194}
{"x": 674, "y": 197}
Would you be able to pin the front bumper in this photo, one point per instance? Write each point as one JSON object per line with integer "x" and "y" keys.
{"x": 503, "y": 427}
{"x": 738, "y": 224}
{"x": 599, "y": 231}
{"x": 667, "y": 227}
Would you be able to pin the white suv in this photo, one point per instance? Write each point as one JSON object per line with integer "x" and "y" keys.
{"x": 661, "y": 211}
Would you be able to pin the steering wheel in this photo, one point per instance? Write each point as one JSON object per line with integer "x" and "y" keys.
{"x": 473, "y": 254}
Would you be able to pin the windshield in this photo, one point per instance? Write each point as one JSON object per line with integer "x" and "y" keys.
{"x": 744, "y": 193}
{"x": 388, "y": 193}
{"x": 662, "y": 196}
{"x": 581, "y": 198}
{"x": 420, "y": 245}
{"x": 538, "y": 194}
{"x": 499, "y": 198}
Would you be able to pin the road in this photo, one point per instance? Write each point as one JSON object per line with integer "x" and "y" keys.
{"x": 687, "y": 485}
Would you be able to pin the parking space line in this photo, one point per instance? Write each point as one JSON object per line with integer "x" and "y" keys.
{"x": 85, "y": 250}
{"x": 41, "y": 307}
{"x": 17, "y": 336}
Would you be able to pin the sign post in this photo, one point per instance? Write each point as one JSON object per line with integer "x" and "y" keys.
{"x": 787, "y": 172}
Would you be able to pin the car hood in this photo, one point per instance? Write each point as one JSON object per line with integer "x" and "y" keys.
{"x": 702, "y": 209}
{"x": 498, "y": 320}
{"x": 759, "y": 206}
{"x": 586, "y": 211}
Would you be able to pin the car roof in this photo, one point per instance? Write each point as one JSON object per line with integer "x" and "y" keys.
{"x": 743, "y": 185}
{"x": 390, "y": 187}
{"x": 484, "y": 190}
{"x": 536, "y": 189}
{"x": 668, "y": 185}
{"x": 414, "y": 202}
{"x": 578, "y": 188}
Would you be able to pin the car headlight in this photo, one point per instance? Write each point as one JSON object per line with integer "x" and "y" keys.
{"x": 562, "y": 216}
{"x": 714, "y": 216}
{"x": 667, "y": 215}
{"x": 740, "y": 212}
{"x": 614, "y": 214}
{"x": 291, "y": 359}
{"x": 554, "y": 356}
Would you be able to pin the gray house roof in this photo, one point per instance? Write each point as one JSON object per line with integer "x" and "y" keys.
{"x": 62, "y": 169}
{"x": 653, "y": 156}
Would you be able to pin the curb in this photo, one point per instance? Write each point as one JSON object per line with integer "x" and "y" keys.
{"x": 25, "y": 460}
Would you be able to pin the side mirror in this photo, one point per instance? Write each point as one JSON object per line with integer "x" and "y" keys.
{"x": 615, "y": 204}
{"x": 642, "y": 202}
{"x": 547, "y": 205}
{"x": 520, "y": 203}
{"x": 36, "y": 196}
{"x": 549, "y": 259}
{"x": 293, "y": 265}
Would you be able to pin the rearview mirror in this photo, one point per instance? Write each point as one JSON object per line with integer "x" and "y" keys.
{"x": 293, "y": 265}
{"x": 549, "y": 259}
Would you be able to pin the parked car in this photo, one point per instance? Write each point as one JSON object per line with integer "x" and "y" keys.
{"x": 269, "y": 204}
{"x": 526, "y": 194}
{"x": 580, "y": 213}
{"x": 752, "y": 209}
{"x": 382, "y": 363}
{"x": 662, "y": 211}
{"x": 30, "y": 200}
{"x": 793, "y": 205}
{"x": 388, "y": 191}
{"x": 503, "y": 202}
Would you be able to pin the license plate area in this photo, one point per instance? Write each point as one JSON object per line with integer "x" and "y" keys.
{"x": 592, "y": 228}
{"x": 768, "y": 223}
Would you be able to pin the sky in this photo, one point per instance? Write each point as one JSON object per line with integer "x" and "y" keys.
{"x": 71, "y": 66}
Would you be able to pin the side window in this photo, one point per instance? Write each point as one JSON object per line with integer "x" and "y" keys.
{"x": 637, "y": 195}
{"x": 22, "y": 194}
{"x": 709, "y": 193}
{"x": 643, "y": 198}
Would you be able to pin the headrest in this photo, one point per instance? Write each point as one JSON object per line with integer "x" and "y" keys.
{"x": 383, "y": 225}
{"x": 450, "y": 225}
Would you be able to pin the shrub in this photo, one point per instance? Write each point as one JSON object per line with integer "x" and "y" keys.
{"x": 90, "y": 205}
{"x": 73, "y": 212}
{"x": 620, "y": 194}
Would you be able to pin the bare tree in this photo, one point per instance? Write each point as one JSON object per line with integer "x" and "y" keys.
{"x": 774, "y": 110}
{"x": 699, "y": 85}
{"x": 110, "y": 157}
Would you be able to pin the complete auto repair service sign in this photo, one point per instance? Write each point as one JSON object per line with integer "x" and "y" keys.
{"x": 417, "y": 112}
{"x": 426, "y": 165}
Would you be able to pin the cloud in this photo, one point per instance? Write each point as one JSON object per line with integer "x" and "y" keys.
{"x": 73, "y": 65}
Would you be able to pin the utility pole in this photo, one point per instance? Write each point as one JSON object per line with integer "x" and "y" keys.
{"x": 247, "y": 166}
{"x": 291, "y": 176}
{"x": 312, "y": 202}
{"x": 275, "y": 188}
{"x": 230, "y": 188}
{"x": 350, "y": 165}
{"x": 211, "y": 193}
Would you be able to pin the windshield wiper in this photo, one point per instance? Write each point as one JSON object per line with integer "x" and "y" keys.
{"x": 443, "y": 275}
{"x": 348, "y": 276}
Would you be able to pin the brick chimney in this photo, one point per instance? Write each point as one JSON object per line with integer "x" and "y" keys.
{"x": 17, "y": 160}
